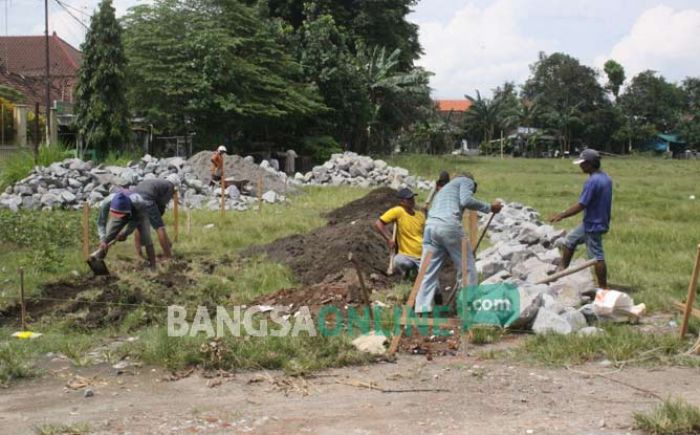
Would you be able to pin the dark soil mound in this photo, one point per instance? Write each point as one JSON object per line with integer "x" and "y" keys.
{"x": 323, "y": 252}
{"x": 369, "y": 207}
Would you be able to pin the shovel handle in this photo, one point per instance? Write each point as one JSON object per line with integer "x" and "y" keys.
{"x": 483, "y": 233}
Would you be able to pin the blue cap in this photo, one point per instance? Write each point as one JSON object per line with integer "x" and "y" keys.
{"x": 121, "y": 203}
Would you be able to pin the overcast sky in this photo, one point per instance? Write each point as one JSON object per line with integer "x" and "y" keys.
{"x": 479, "y": 44}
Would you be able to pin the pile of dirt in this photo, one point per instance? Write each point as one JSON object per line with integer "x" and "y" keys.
{"x": 240, "y": 169}
{"x": 324, "y": 252}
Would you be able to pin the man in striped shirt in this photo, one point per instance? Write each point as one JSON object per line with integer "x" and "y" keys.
{"x": 444, "y": 233}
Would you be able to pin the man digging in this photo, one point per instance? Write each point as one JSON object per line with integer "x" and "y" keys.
{"x": 157, "y": 193}
{"x": 444, "y": 233}
{"x": 596, "y": 203}
{"x": 409, "y": 235}
{"x": 125, "y": 209}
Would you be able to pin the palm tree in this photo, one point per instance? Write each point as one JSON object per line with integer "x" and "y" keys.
{"x": 483, "y": 116}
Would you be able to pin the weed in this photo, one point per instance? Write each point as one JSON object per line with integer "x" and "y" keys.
{"x": 14, "y": 363}
{"x": 672, "y": 417}
{"x": 18, "y": 165}
{"x": 620, "y": 344}
{"x": 484, "y": 334}
{"x": 62, "y": 429}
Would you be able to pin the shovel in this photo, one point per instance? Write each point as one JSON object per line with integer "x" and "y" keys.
{"x": 483, "y": 233}
{"x": 392, "y": 253}
{"x": 97, "y": 263}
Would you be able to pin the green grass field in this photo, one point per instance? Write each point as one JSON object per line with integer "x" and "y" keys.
{"x": 655, "y": 227}
{"x": 650, "y": 247}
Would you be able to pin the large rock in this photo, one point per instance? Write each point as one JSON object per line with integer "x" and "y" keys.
{"x": 548, "y": 322}
{"x": 68, "y": 197}
{"x": 575, "y": 319}
{"x": 11, "y": 202}
{"x": 270, "y": 196}
{"x": 50, "y": 199}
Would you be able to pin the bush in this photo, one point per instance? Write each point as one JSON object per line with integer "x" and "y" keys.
{"x": 320, "y": 147}
{"x": 20, "y": 164}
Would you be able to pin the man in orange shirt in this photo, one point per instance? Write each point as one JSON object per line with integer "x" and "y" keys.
{"x": 217, "y": 165}
{"x": 409, "y": 236}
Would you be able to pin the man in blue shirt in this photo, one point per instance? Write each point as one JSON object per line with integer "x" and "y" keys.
{"x": 596, "y": 203}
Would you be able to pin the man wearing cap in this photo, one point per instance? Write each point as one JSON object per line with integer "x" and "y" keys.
{"x": 596, "y": 203}
{"x": 120, "y": 210}
{"x": 444, "y": 233}
{"x": 217, "y": 165}
{"x": 157, "y": 193}
{"x": 409, "y": 234}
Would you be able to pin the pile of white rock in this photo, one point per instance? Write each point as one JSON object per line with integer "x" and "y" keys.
{"x": 352, "y": 169}
{"x": 72, "y": 182}
{"x": 524, "y": 251}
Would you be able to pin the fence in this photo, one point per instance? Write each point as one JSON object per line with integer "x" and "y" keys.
{"x": 7, "y": 150}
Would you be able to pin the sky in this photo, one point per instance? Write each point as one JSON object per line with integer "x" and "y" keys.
{"x": 479, "y": 44}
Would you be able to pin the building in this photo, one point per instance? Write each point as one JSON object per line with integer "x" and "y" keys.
{"x": 23, "y": 62}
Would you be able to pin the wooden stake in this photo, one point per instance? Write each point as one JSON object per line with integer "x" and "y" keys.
{"x": 260, "y": 191}
{"x": 223, "y": 187}
{"x": 465, "y": 268}
{"x": 365, "y": 292}
{"x": 396, "y": 340}
{"x": 473, "y": 228}
{"x": 21, "y": 299}
{"x": 692, "y": 290}
{"x": 569, "y": 271}
{"x": 86, "y": 230}
{"x": 176, "y": 215}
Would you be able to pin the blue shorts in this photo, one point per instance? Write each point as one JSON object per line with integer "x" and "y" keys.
{"x": 593, "y": 241}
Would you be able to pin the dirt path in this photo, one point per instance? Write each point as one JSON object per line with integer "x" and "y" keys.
{"x": 478, "y": 397}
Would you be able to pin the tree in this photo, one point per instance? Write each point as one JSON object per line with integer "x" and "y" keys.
{"x": 482, "y": 118}
{"x": 689, "y": 124}
{"x": 328, "y": 64}
{"x": 616, "y": 76}
{"x": 394, "y": 95}
{"x": 101, "y": 106}
{"x": 215, "y": 67}
{"x": 565, "y": 91}
{"x": 651, "y": 100}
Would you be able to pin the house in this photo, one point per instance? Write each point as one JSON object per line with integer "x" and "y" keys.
{"x": 23, "y": 60}
{"x": 666, "y": 143}
{"x": 453, "y": 110}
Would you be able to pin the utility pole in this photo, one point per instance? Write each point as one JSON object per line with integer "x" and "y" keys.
{"x": 48, "y": 81}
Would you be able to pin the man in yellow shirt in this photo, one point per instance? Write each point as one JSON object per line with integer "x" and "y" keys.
{"x": 409, "y": 236}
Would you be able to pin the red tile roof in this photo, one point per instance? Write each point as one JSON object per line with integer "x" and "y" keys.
{"x": 453, "y": 105}
{"x": 25, "y": 55}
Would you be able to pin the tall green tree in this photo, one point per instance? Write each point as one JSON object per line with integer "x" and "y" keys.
{"x": 328, "y": 64}
{"x": 689, "y": 123}
{"x": 483, "y": 117}
{"x": 215, "y": 67}
{"x": 651, "y": 100}
{"x": 616, "y": 76}
{"x": 101, "y": 105}
{"x": 565, "y": 91}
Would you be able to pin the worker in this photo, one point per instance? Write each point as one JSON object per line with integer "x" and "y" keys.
{"x": 124, "y": 209}
{"x": 444, "y": 233}
{"x": 442, "y": 180}
{"x": 217, "y": 165}
{"x": 596, "y": 203}
{"x": 409, "y": 234}
{"x": 157, "y": 193}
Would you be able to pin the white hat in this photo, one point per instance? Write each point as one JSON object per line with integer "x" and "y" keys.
{"x": 222, "y": 149}
{"x": 174, "y": 179}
